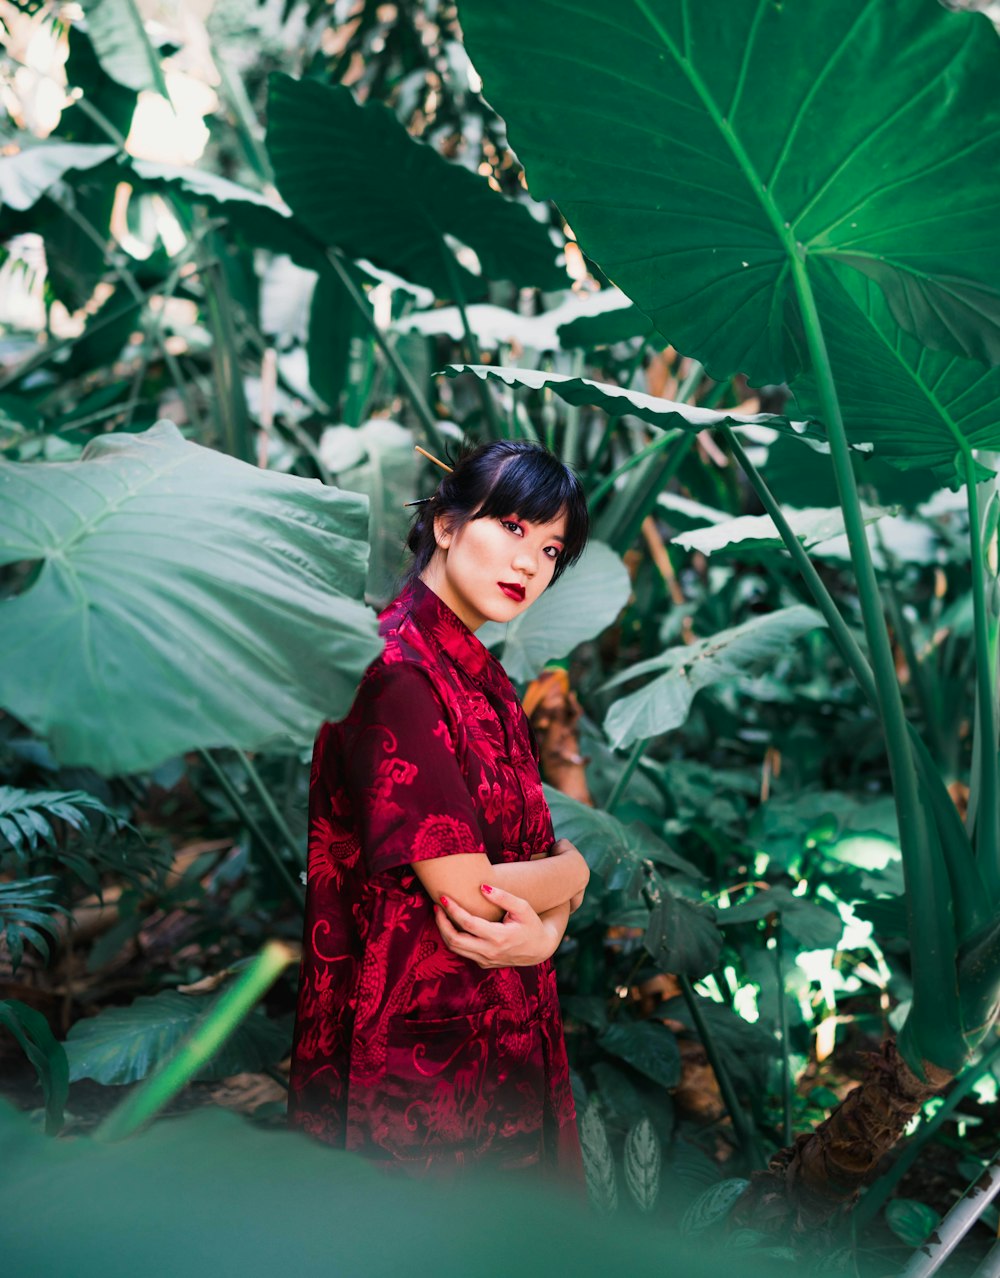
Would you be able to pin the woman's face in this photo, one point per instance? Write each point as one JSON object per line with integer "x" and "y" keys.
{"x": 494, "y": 569}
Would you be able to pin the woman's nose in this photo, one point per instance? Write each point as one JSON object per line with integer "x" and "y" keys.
{"x": 525, "y": 560}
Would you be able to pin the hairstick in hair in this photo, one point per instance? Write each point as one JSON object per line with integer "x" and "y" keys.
{"x": 430, "y": 457}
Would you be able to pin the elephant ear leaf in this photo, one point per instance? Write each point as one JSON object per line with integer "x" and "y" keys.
{"x": 917, "y": 408}
{"x": 359, "y": 182}
{"x": 27, "y": 174}
{"x": 164, "y": 596}
{"x": 702, "y": 204}
{"x": 665, "y": 703}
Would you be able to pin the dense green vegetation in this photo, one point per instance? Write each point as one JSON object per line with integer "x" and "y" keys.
{"x": 778, "y": 657}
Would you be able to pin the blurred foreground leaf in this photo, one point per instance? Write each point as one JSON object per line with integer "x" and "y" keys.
{"x": 123, "y": 1044}
{"x": 208, "y": 1193}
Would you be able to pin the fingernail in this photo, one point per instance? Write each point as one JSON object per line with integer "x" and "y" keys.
{"x": 444, "y": 901}
{"x": 486, "y": 887}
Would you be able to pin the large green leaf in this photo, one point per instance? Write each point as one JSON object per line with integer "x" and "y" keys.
{"x": 202, "y": 184}
{"x": 919, "y": 408}
{"x": 75, "y": 257}
{"x": 577, "y": 321}
{"x": 175, "y": 597}
{"x": 359, "y": 182}
{"x": 46, "y": 1054}
{"x": 607, "y": 842}
{"x": 582, "y": 603}
{"x": 118, "y": 34}
{"x": 810, "y": 925}
{"x": 665, "y": 703}
{"x": 377, "y": 459}
{"x": 802, "y": 477}
{"x": 26, "y": 175}
{"x": 698, "y": 150}
{"x": 745, "y": 1048}
{"x": 757, "y": 535}
{"x": 682, "y": 936}
{"x": 619, "y": 401}
{"x": 123, "y": 1044}
{"x": 648, "y": 1047}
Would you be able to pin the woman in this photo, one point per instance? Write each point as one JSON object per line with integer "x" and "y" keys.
{"x": 428, "y": 1035}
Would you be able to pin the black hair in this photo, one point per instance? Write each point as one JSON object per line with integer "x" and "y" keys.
{"x": 505, "y": 477}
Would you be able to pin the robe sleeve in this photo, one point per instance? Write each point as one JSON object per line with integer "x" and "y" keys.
{"x": 407, "y": 785}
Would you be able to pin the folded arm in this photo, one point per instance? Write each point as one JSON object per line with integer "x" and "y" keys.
{"x": 522, "y": 939}
{"x": 546, "y": 883}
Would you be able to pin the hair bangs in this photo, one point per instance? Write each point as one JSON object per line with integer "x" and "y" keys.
{"x": 497, "y": 480}
{"x": 536, "y": 486}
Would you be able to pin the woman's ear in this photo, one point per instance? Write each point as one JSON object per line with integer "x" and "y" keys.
{"x": 442, "y": 533}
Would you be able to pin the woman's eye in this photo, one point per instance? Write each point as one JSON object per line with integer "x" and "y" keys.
{"x": 510, "y": 525}
{"x": 552, "y": 552}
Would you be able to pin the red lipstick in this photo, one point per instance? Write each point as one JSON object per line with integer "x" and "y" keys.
{"x": 513, "y": 590}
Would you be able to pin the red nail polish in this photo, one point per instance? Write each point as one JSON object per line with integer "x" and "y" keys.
{"x": 486, "y": 887}
{"x": 444, "y": 901}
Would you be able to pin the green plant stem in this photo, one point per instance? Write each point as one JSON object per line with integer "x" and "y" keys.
{"x": 434, "y": 437}
{"x": 987, "y": 837}
{"x": 933, "y": 1030}
{"x": 787, "y": 1134}
{"x": 660, "y": 441}
{"x": 744, "y": 1132}
{"x": 608, "y": 482}
{"x": 971, "y": 905}
{"x": 250, "y": 821}
{"x": 494, "y": 426}
{"x": 235, "y": 427}
{"x": 595, "y": 461}
{"x": 247, "y": 127}
{"x": 146, "y": 1101}
{"x": 690, "y": 383}
{"x": 290, "y": 841}
{"x": 625, "y": 776}
{"x": 918, "y": 674}
{"x": 571, "y": 436}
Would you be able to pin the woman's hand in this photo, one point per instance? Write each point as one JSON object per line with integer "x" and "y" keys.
{"x": 520, "y": 939}
{"x": 563, "y": 847}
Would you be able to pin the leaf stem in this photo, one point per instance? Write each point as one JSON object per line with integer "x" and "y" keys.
{"x": 744, "y": 1132}
{"x": 987, "y": 836}
{"x": 252, "y": 824}
{"x": 933, "y": 1030}
{"x": 162, "y": 1086}
{"x": 290, "y": 841}
{"x": 493, "y": 423}
{"x": 967, "y": 886}
{"x": 625, "y": 776}
{"x": 787, "y": 1134}
{"x": 434, "y": 437}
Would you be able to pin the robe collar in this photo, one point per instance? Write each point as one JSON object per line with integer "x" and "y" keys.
{"x": 450, "y": 632}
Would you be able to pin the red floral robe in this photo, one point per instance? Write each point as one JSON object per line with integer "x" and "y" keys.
{"x": 405, "y": 1052}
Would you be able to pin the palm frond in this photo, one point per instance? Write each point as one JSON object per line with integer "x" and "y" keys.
{"x": 27, "y": 913}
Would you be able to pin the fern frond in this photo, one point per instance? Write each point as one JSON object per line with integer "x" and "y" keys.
{"x": 24, "y": 817}
{"x": 27, "y": 913}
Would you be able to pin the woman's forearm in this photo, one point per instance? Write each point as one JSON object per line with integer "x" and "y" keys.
{"x": 545, "y": 884}
{"x": 556, "y": 919}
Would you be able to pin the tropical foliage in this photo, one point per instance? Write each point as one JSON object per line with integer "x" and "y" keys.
{"x": 775, "y": 668}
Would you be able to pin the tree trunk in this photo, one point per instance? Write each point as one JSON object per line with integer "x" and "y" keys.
{"x": 820, "y": 1176}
